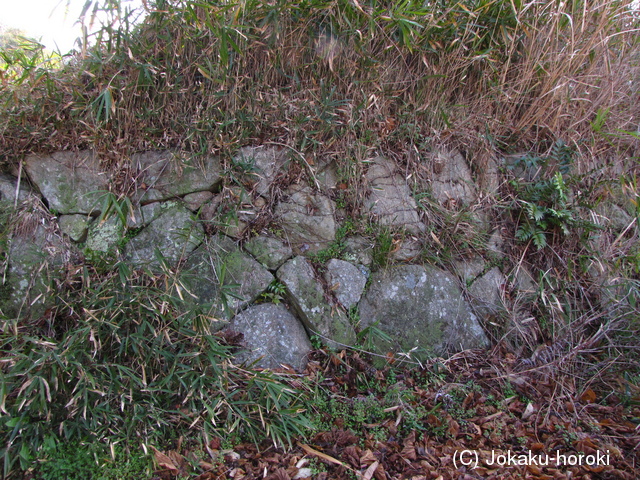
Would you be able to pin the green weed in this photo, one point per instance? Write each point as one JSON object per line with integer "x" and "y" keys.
{"x": 79, "y": 462}
{"x": 274, "y": 293}
{"x": 543, "y": 203}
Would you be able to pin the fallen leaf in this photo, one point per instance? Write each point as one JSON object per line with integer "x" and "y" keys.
{"x": 588, "y": 396}
{"x": 368, "y": 474}
{"x": 163, "y": 460}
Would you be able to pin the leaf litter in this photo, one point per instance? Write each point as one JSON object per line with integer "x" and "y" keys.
{"x": 474, "y": 403}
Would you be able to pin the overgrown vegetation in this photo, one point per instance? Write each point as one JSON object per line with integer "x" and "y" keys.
{"x": 116, "y": 364}
{"x": 210, "y": 76}
{"x": 543, "y": 201}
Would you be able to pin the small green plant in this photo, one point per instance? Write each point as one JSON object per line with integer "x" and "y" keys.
{"x": 316, "y": 467}
{"x": 334, "y": 250}
{"x": 543, "y": 206}
{"x": 371, "y": 337}
{"x": 120, "y": 206}
{"x": 227, "y": 291}
{"x": 383, "y": 247}
{"x": 274, "y": 293}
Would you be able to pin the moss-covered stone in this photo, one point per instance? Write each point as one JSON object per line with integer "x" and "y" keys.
{"x": 269, "y": 251}
{"x": 169, "y": 174}
{"x": 223, "y": 279}
{"x": 172, "y": 235}
{"x": 104, "y": 236}
{"x": 307, "y": 297}
{"x": 419, "y": 308}
{"x": 74, "y": 226}
{"x": 307, "y": 220}
{"x": 34, "y": 259}
{"x": 71, "y": 182}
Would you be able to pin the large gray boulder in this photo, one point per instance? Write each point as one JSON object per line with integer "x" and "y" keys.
{"x": 272, "y": 336}
{"x": 222, "y": 278}
{"x": 162, "y": 175}
{"x": 307, "y": 297}
{"x": 419, "y": 307}
{"x": 307, "y": 220}
{"x": 71, "y": 182}
{"x": 172, "y": 235}
{"x": 390, "y": 199}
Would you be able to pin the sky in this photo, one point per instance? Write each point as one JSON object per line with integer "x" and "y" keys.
{"x": 52, "y": 22}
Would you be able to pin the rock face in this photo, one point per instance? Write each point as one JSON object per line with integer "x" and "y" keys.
{"x": 307, "y": 297}
{"x": 346, "y": 281}
{"x": 193, "y": 201}
{"x": 183, "y": 215}
{"x": 145, "y": 214}
{"x": 452, "y": 184}
{"x": 168, "y": 174}
{"x": 263, "y": 163}
{"x": 222, "y": 278}
{"x": 359, "y": 250}
{"x": 75, "y": 226}
{"x": 307, "y": 220}
{"x": 612, "y": 215}
{"x": 71, "y": 182}
{"x": 174, "y": 234}
{"x": 273, "y": 337}
{"x": 8, "y": 189}
{"x": 390, "y": 199}
{"x": 419, "y": 307}
{"x": 469, "y": 269}
{"x": 34, "y": 257}
{"x": 486, "y": 292}
{"x": 269, "y": 251}
{"x": 104, "y": 236}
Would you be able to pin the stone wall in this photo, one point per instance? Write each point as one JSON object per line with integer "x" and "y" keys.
{"x": 183, "y": 214}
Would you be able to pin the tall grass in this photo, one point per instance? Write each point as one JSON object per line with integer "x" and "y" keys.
{"x": 208, "y": 76}
{"x": 119, "y": 361}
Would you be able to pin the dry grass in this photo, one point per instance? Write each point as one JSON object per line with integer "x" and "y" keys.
{"x": 321, "y": 76}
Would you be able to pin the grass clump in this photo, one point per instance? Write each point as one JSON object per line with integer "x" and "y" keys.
{"x": 79, "y": 462}
{"x": 115, "y": 362}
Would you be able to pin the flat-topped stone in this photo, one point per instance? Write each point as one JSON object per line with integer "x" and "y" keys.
{"x": 390, "y": 199}
{"x": 419, "y": 308}
{"x": 273, "y": 337}
{"x": 71, "y": 182}
{"x": 307, "y": 220}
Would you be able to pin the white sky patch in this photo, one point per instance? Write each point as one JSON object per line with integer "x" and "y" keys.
{"x": 53, "y": 23}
